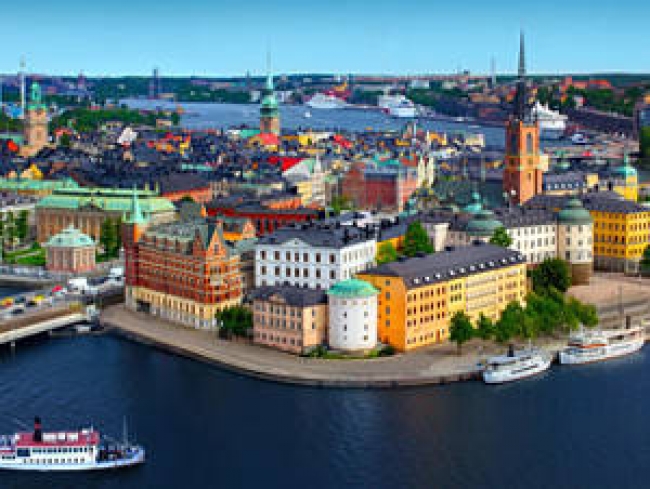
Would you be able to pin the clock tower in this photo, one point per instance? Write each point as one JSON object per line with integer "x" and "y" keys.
{"x": 522, "y": 176}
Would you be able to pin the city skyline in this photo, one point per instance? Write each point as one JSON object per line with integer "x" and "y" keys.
{"x": 220, "y": 39}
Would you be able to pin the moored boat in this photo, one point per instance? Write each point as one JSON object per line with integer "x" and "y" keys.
{"x": 593, "y": 346}
{"x": 66, "y": 451}
{"x": 516, "y": 365}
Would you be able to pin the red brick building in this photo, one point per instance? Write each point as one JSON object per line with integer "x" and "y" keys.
{"x": 387, "y": 187}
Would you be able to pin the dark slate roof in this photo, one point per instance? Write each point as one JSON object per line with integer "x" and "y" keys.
{"x": 516, "y": 217}
{"x": 564, "y": 180}
{"x": 449, "y": 265}
{"x": 592, "y": 201}
{"x": 320, "y": 235}
{"x": 293, "y": 296}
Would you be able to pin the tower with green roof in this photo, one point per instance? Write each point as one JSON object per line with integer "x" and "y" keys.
{"x": 269, "y": 109}
{"x": 626, "y": 181}
{"x": 36, "y": 124}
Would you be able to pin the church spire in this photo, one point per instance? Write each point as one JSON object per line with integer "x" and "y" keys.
{"x": 136, "y": 216}
{"x": 521, "y": 111}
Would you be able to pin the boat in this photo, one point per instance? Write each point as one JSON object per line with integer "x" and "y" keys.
{"x": 552, "y": 124}
{"x": 78, "y": 450}
{"x": 326, "y": 101}
{"x": 307, "y": 114}
{"x": 397, "y": 106}
{"x": 516, "y": 365}
{"x": 579, "y": 139}
{"x": 594, "y": 346}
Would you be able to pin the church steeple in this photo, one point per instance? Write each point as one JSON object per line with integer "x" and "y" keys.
{"x": 136, "y": 216}
{"x": 269, "y": 110}
{"x": 521, "y": 110}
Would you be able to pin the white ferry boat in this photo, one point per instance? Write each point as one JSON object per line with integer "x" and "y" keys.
{"x": 65, "y": 451}
{"x": 326, "y": 101}
{"x": 552, "y": 124}
{"x": 516, "y": 365}
{"x": 594, "y": 346}
{"x": 397, "y": 106}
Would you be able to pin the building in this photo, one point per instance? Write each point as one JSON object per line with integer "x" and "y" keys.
{"x": 70, "y": 251}
{"x": 621, "y": 228}
{"x": 352, "y": 316}
{"x": 269, "y": 110}
{"x": 379, "y": 187}
{"x": 87, "y": 208}
{"x": 35, "y": 188}
{"x": 181, "y": 271}
{"x": 522, "y": 176}
{"x": 315, "y": 256}
{"x": 36, "y": 124}
{"x": 418, "y": 296}
{"x": 291, "y": 319}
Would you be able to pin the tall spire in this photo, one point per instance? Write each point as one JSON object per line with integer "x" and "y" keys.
{"x": 522, "y": 56}
{"x": 521, "y": 111}
{"x": 269, "y": 75}
{"x": 136, "y": 216}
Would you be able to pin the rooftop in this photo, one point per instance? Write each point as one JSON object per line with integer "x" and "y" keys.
{"x": 292, "y": 296}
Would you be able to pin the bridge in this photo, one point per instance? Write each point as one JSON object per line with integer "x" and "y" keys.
{"x": 16, "y": 329}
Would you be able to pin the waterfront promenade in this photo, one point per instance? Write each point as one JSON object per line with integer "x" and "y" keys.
{"x": 430, "y": 365}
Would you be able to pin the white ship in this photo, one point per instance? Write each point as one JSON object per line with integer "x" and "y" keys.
{"x": 593, "y": 346}
{"x": 552, "y": 124}
{"x": 516, "y": 365}
{"x": 397, "y": 106}
{"x": 66, "y": 451}
{"x": 326, "y": 101}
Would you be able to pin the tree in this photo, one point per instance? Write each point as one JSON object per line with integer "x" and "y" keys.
{"x": 460, "y": 329}
{"x": 416, "y": 240}
{"x": 237, "y": 320}
{"x": 645, "y": 260}
{"x": 64, "y": 140}
{"x": 22, "y": 225}
{"x": 500, "y": 237}
{"x": 386, "y": 253}
{"x": 187, "y": 198}
{"x": 552, "y": 273}
{"x": 341, "y": 203}
{"x": 644, "y": 143}
{"x": 508, "y": 325}
{"x": 108, "y": 237}
{"x": 484, "y": 327}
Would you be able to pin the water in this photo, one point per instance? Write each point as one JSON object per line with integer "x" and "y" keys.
{"x": 208, "y": 115}
{"x": 203, "y": 427}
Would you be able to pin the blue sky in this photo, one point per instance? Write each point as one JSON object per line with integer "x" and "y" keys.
{"x": 226, "y": 37}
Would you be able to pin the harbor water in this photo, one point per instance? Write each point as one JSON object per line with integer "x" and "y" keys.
{"x": 582, "y": 427}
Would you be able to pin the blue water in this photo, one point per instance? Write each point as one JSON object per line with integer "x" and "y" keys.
{"x": 203, "y": 427}
{"x": 207, "y": 115}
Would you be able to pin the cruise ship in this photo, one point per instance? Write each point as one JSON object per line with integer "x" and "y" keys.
{"x": 594, "y": 346}
{"x": 326, "y": 101}
{"x": 397, "y": 106}
{"x": 516, "y": 365}
{"x": 66, "y": 451}
{"x": 552, "y": 124}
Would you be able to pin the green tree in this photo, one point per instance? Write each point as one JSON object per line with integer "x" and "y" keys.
{"x": 341, "y": 203}
{"x": 552, "y": 273}
{"x": 22, "y": 225}
{"x": 645, "y": 260}
{"x": 107, "y": 237}
{"x": 64, "y": 140}
{"x": 500, "y": 237}
{"x": 485, "y": 328}
{"x": 509, "y": 324}
{"x": 386, "y": 253}
{"x": 460, "y": 329}
{"x": 644, "y": 143}
{"x": 237, "y": 320}
{"x": 416, "y": 240}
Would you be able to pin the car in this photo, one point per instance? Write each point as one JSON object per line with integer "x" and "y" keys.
{"x": 18, "y": 310}
{"x": 21, "y": 299}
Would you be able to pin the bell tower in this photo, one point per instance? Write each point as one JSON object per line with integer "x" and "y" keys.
{"x": 269, "y": 109}
{"x": 522, "y": 176}
{"x": 35, "y": 131}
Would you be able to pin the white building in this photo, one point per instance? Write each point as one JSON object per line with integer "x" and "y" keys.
{"x": 313, "y": 255}
{"x": 352, "y": 316}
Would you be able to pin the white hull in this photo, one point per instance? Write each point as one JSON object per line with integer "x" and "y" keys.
{"x": 321, "y": 101}
{"x": 517, "y": 373}
{"x": 136, "y": 458}
{"x": 577, "y": 356}
{"x": 402, "y": 112}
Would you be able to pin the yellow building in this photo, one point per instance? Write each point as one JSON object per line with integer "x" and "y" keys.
{"x": 621, "y": 233}
{"x": 418, "y": 296}
{"x": 625, "y": 181}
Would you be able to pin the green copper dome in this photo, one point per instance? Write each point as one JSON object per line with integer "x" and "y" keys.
{"x": 626, "y": 169}
{"x": 269, "y": 102}
{"x": 70, "y": 238}
{"x": 574, "y": 213}
{"x": 483, "y": 224}
{"x": 352, "y": 289}
{"x": 475, "y": 206}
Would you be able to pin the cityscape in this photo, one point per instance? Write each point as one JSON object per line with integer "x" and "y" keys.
{"x": 361, "y": 275}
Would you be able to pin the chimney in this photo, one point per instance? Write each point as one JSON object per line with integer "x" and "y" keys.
{"x": 38, "y": 432}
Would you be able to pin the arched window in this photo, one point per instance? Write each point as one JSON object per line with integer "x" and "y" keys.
{"x": 529, "y": 143}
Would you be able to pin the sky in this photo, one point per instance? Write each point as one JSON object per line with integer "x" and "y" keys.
{"x": 229, "y": 38}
